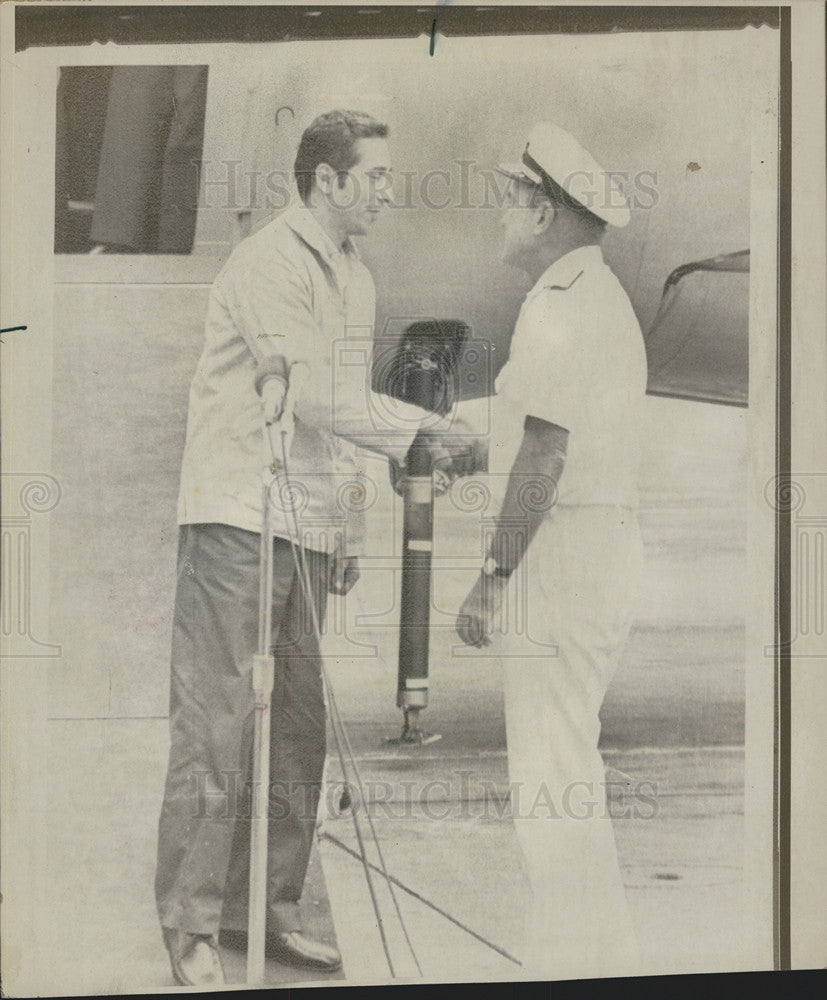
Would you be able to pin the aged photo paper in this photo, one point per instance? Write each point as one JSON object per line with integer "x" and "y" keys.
{"x": 164, "y": 267}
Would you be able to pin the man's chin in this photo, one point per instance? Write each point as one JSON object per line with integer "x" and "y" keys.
{"x": 365, "y": 226}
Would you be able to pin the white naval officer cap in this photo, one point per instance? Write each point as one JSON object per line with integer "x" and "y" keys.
{"x": 552, "y": 151}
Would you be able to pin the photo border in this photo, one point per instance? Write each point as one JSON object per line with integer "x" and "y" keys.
{"x": 64, "y": 24}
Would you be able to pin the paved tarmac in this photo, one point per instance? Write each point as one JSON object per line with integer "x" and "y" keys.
{"x": 446, "y": 834}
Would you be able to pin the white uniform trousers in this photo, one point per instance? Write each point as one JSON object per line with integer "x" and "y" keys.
{"x": 578, "y": 588}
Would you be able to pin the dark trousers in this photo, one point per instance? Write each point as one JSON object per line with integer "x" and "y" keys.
{"x": 204, "y": 831}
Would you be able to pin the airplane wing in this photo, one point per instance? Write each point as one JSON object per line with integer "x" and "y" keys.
{"x": 698, "y": 344}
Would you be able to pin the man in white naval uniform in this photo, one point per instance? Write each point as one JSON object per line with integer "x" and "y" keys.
{"x": 564, "y": 442}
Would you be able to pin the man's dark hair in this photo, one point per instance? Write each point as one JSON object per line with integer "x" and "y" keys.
{"x": 331, "y": 138}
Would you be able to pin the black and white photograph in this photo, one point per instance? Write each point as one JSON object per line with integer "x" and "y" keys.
{"x": 404, "y": 564}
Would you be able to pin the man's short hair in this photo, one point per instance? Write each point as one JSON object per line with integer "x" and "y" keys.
{"x": 560, "y": 198}
{"x": 331, "y": 138}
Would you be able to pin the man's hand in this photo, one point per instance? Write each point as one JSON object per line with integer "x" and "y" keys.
{"x": 468, "y": 454}
{"x": 273, "y": 391}
{"x": 461, "y": 440}
{"x": 344, "y": 572}
{"x": 442, "y": 464}
{"x": 475, "y": 621}
{"x": 456, "y": 450}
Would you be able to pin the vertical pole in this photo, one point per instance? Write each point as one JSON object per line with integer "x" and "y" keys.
{"x": 412, "y": 689}
{"x": 427, "y": 360}
{"x": 262, "y": 682}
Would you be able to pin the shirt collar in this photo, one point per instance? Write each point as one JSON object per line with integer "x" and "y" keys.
{"x": 563, "y": 273}
{"x": 301, "y": 220}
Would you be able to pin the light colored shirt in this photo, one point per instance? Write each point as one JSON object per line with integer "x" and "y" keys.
{"x": 288, "y": 294}
{"x": 577, "y": 360}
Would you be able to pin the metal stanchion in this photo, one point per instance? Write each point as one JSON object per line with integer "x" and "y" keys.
{"x": 262, "y": 680}
{"x": 424, "y": 372}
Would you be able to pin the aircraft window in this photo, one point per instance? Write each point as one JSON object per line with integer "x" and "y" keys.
{"x": 698, "y": 344}
{"x": 129, "y": 145}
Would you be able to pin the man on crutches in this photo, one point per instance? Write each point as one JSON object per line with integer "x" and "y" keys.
{"x": 285, "y": 298}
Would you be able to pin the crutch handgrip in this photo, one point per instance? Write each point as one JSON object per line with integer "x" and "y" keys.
{"x": 283, "y": 423}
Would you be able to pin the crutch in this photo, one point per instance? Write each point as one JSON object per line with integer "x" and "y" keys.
{"x": 263, "y": 675}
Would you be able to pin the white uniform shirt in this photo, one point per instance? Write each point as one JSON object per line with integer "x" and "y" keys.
{"x": 287, "y": 294}
{"x": 577, "y": 360}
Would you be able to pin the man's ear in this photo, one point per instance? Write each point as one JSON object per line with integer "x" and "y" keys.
{"x": 325, "y": 177}
{"x": 545, "y": 216}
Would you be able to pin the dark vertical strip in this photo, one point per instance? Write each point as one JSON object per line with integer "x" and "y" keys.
{"x": 783, "y": 511}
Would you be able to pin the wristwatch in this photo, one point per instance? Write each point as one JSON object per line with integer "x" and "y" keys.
{"x": 490, "y": 568}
